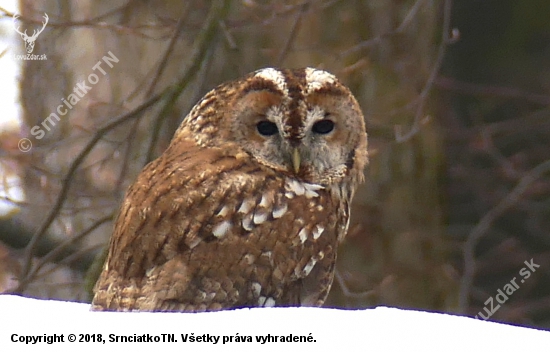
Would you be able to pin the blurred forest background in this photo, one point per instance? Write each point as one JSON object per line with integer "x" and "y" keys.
{"x": 456, "y": 96}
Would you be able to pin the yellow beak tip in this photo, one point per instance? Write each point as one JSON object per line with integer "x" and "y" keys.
{"x": 296, "y": 161}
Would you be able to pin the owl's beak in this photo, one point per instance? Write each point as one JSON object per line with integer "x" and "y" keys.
{"x": 296, "y": 160}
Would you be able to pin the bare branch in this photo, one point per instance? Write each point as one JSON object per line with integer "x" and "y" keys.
{"x": 345, "y": 289}
{"x": 60, "y": 248}
{"x": 377, "y": 40}
{"x": 419, "y": 119}
{"x": 483, "y": 226}
{"x": 218, "y": 11}
{"x": 293, "y": 32}
{"x": 451, "y": 84}
{"x": 66, "y": 183}
{"x": 169, "y": 50}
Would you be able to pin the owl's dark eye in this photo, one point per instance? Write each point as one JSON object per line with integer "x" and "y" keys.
{"x": 323, "y": 127}
{"x": 266, "y": 128}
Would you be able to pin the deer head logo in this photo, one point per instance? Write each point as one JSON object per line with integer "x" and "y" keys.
{"x": 29, "y": 41}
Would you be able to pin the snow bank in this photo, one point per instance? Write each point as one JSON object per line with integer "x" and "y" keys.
{"x": 30, "y": 322}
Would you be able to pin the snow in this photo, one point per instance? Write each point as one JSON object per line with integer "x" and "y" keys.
{"x": 378, "y": 329}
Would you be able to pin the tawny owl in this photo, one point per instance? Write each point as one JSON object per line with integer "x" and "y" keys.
{"x": 248, "y": 204}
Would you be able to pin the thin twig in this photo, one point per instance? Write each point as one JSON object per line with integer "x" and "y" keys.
{"x": 67, "y": 261}
{"x": 276, "y": 12}
{"x": 483, "y": 226}
{"x": 489, "y": 146}
{"x": 79, "y": 254}
{"x": 228, "y": 36}
{"x": 346, "y": 291}
{"x": 61, "y": 247}
{"x": 206, "y": 36}
{"x": 169, "y": 50}
{"x": 164, "y": 60}
{"x": 200, "y": 82}
{"x": 126, "y": 160}
{"x": 14, "y": 202}
{"x": 91, "y": 20}
{"x": 293, "y": 32}
{"x": 94, "y": 23}
{"x": 452, "y": 84}
{"x": 67, "y": 180}
{"x": 377, "y": 40}
{"x": 418, "y": 118}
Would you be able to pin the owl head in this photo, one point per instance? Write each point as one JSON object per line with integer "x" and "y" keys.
{"x": 301, "y": 122}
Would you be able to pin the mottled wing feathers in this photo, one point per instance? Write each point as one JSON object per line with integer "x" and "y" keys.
{"x": 214, "y": 215}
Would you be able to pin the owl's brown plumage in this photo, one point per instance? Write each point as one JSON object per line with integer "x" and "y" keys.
{"x": 247, "y": 205}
